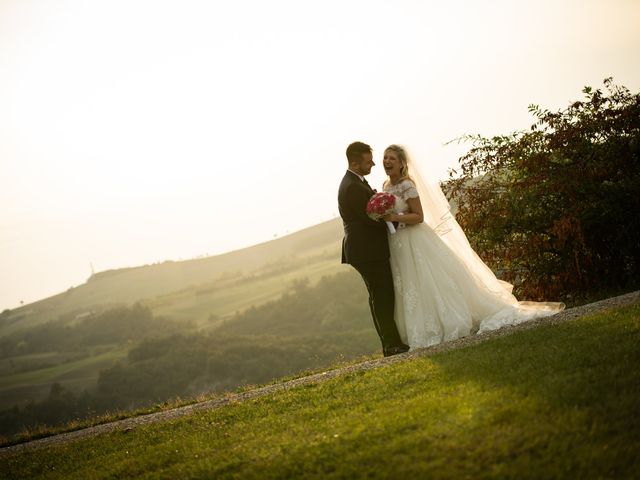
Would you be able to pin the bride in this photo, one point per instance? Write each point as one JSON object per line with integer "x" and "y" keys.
{"x": 443, "y": 289}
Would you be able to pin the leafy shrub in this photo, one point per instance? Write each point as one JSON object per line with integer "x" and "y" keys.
{"x": 555, "y": 209}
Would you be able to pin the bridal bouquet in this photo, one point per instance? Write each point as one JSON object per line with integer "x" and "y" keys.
{"x": 381, "y": 204}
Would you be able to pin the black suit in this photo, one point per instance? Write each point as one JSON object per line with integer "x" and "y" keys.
{"x": 366, "y": 248}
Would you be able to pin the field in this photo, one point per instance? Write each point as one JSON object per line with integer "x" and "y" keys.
{"x": 76, "y": 374}
{"x": 209, "y": 303}
{"x": 558, "y": 401}
{"x": 158, "y": 283}
{"x": 202, "y": 293}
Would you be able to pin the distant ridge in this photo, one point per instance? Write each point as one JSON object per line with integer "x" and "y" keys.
{"x": 131, "y": 284}
{"x": 297, "y": 243}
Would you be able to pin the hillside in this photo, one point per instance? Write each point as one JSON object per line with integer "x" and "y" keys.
{"x": 166, "y": 283}
{"x": 552, "y": 398}
{"x": 112, "y": 360}
{"x": 190, "y": 297}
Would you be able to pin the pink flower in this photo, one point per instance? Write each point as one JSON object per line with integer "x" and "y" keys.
{"x": 380, "y": 204}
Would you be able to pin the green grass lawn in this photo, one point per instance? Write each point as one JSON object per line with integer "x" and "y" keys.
{"x": 555, "y": 402}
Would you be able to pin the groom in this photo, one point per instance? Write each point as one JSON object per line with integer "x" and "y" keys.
{"x": 365, "y": 246}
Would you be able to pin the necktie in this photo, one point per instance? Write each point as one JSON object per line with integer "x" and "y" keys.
{"x": 369, "y": 186}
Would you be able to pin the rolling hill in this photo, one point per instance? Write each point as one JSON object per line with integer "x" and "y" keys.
{"x": 196, "y": 289}
{"x": 200, "y": 294}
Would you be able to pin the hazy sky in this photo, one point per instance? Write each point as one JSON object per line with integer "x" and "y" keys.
{"x": 133, "y": 132}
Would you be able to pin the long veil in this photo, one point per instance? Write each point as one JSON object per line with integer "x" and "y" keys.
{"x": 439, "y": 217}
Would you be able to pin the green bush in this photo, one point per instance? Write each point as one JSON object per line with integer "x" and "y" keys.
{"x": 555, "y": 209}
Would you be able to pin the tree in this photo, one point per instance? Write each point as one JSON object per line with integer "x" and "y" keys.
{"x": 555, "y": 209}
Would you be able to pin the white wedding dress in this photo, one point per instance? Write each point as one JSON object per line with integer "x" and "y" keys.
{"x": 443, "y": 290}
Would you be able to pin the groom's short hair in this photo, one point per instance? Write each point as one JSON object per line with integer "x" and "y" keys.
{"x": 356, "y": 150}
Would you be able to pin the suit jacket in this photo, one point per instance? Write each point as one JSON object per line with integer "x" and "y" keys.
{"x": 365, "y": 240}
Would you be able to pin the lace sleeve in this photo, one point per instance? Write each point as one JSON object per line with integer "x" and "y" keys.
{"x": 408, "y": 190}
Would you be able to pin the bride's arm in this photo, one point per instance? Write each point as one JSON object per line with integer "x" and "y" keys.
{"x": 414, "y": 215}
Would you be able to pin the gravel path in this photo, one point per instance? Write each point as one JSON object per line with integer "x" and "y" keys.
{"x": 131, "y": 423}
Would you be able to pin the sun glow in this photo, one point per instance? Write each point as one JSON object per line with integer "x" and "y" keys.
{"x": 134, "y": 132}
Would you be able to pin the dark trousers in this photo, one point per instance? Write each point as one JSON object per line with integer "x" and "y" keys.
{"x": 379, "y": 281}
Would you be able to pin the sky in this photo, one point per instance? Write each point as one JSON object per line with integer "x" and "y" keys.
{"x": 138, "y": 131}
